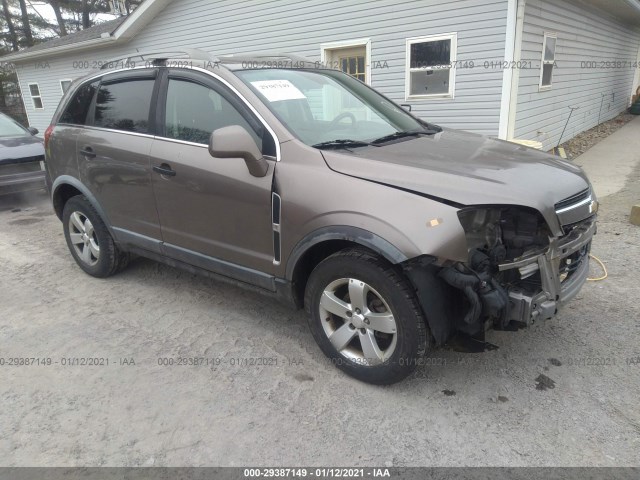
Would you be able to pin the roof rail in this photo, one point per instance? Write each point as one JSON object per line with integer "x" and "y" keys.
{"x": 189, "y": 53}
{"x": 243, "y": 57}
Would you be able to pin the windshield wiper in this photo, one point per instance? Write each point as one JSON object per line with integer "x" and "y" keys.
{"x": 402, "y": 134}
{"x": 341, "y": 143}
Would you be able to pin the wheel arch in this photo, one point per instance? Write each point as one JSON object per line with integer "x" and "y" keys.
{"x": 325, "y": 241}
{"x": 65, "y": 187}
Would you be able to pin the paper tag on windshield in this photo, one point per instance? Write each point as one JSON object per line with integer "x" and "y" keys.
{"x": 276, "y": 90}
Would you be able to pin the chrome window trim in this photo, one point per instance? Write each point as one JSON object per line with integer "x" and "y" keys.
{"x": 184, "y": 142}
{"x": 203, "y": 70}
{"x": 125, "y": 132}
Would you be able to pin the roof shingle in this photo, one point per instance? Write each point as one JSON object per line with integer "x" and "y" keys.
{"x": 90, "y": 33}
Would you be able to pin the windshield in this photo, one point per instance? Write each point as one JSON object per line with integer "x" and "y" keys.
{"x": 9, "y": 128}
{"x": 327, "y": 105}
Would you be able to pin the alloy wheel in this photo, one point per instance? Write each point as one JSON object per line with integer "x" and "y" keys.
{"x": 358, "y": 321}
{"x": 83, "y": 238}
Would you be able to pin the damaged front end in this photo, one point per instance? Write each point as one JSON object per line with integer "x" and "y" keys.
{"x": 517, "y": 272}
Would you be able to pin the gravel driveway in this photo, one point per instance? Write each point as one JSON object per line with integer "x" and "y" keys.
{"x": 564, "y": 392}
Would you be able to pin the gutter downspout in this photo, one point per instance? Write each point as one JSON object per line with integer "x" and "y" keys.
{"x": 507, "y": 72}
{"x": 515, "y": 78}
{"x": 636, "y": 78}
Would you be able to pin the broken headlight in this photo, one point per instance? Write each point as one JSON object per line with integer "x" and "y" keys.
{"x": 504, "y": 233}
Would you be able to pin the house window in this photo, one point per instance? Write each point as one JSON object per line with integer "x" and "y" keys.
{"x": 548, "y": 60}
{"x": 354, "y": 66}
{"x": 351, "y": 56}
{"x": 430, "y": 72}
{"x": 36, "y": 98}
{"x": 64, "y": 85}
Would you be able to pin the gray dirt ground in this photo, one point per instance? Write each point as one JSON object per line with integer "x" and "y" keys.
{"x": 301, "y": 411}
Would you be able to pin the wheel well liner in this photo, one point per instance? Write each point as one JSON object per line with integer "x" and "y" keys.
{"x": 61, "y": 195}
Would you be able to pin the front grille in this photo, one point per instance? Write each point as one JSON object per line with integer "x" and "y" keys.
{"x": 14, "y": 161}
{"x": 26, "y": 165}
{"x": 576, "y": 208}
{"x": 582, "y": 224}
{"x": 577, "y": 198}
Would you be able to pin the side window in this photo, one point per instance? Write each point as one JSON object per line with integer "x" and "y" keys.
{"x": 36, "y": 98}
{"x": 78, "y": 107}
{"x": 548, "y": 60}
{"x": 430, "y": 62}
{"x": 193, "y": 111}
{"x": 124, "y": 105}
{"x": 64, "y": 85}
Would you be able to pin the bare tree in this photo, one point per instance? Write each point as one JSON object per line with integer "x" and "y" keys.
{"x": 88, "y": 7}
{"x": 13, "y": 38}
{"x": 26, "y": 26}
{"x": 57, "y": 11}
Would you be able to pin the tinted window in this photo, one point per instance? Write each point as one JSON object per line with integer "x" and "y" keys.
{"x": 430, "y": 53}
{"x": 78, "y": 107}
{"x": 124, "y": 105}
{"x": 194, "y": 111}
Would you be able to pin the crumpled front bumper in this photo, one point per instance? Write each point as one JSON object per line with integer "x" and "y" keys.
{"x": 563, "y": 267}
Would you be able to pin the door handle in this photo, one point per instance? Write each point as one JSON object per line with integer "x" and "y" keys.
{"x": 88, "y": 152}
{"x": 164, "y": 169}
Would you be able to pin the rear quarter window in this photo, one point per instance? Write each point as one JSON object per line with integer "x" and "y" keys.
{"x": 124, "y": 105}
{"x": 78, "y": 107}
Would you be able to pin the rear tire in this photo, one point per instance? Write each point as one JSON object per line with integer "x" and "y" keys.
{"x": 365, "y": 317}
{"x": 89, "y": 240}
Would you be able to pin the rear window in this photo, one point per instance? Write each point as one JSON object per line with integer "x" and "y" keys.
{"x": 78, "y": 107}
{"x": 124, "y": 105}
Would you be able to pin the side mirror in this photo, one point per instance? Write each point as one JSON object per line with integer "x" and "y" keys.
{"x": 234, "y": 141}
{"x": 33, "y": 130}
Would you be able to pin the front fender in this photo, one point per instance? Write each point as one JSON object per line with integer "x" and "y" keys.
{"x": 346, "y": 233}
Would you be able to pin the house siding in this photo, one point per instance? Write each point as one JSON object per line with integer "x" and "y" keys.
{"x": 582, "y": 35}
{"x": 300, "y": 27}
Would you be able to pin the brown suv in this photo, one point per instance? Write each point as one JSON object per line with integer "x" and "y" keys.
{"x": 304, "y": 182}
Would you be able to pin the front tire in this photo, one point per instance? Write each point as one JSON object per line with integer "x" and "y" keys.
{"x": 89, "y": 240}
{"x": 365, "y": 317}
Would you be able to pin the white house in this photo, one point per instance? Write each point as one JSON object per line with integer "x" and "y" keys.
{"x": 505, "y": 68}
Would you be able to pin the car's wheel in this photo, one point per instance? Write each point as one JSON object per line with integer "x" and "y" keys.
{"x": 365, "y": 317}
{"x": 89, "y": 239}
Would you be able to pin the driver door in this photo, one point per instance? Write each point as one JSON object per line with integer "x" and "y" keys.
{"x": 213, "y": 213}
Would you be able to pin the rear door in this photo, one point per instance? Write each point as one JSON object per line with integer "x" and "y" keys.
{"x": 113, "y": 155}
{"x": 62, "y": 145}
{"x": 213, "y": 212}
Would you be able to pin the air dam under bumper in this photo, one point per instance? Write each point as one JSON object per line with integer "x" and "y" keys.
{"x": 564, "y": 268}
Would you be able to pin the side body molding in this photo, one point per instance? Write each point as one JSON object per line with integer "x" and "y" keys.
{"x": 343, "y": 232}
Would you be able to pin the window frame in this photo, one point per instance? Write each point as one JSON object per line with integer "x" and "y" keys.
{"x": 328, "y": 49}
{"x": 62, "y": 90}
{"x": 88, "y": 120}
{"x": 121, "y": 76}
{"x": 219, "y": 87}
{"x": 33, "y": 97}
{"x": 450, "y": 95}
{"x": 543, "y": 62}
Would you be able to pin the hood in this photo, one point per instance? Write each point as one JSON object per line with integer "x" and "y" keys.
{"x": 16, "y": 148}
{"x": 462, "y": 168}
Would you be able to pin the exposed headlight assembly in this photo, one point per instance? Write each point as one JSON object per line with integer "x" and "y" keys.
{"x": 504, "y": 232}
